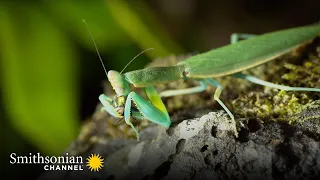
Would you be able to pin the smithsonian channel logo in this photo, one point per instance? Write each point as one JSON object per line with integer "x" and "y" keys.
{"x": 94, "y": 162}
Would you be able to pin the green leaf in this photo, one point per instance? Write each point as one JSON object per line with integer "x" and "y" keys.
{"x": 38, "y": 76}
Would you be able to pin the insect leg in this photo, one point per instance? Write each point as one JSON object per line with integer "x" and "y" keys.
{"x": 127, "y": 113}
{"x": 235, "y": 37}
{"x": 203, "y": 84}
{"x": 136, "y": 114}
{"x": 147, "y": 109}
{"x": 217, "y": 98}
{"x": 155, "y": 99}
{"x": 269, "y": 84}
{"x": 192, "y": 90}
{"x": 107, "y": 106}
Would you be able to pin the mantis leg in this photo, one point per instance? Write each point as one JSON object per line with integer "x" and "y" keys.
{"x": 216, "y": 97}
{"x": 107, "y": 101}
{"x": 192, "y": 90}
{"x": 269, "y": 84}
{"x": 136, "y": 114}
{"x": 107, "y": 105}
{"x": 235, "y": 37}
{"x": 203, "y": 85}
{"x": 153, "y": 111}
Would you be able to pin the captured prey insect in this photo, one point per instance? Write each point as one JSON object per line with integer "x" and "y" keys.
{"x": 228, "y": 60}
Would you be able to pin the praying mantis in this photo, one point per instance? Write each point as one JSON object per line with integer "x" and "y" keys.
{"x": 228, "y": 60}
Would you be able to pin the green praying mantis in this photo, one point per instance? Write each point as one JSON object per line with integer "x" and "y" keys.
{"x": 228, "y": 60}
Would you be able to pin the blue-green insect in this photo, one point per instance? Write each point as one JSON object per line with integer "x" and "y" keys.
{"x": 229, "y": 60}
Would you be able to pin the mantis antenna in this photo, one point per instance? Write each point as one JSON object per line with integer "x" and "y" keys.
{"x": 135, "y": 58}
{"x": 95, "y": 45}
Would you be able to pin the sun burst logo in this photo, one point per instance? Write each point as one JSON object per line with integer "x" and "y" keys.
{"x": 95, "y": 162}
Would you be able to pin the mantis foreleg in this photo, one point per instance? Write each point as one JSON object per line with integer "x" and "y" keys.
{"x": 107, "y": 105}
{"x": 153, "y": 111}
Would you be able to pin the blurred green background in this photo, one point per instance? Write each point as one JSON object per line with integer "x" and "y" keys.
{"x": 51, "y": 76}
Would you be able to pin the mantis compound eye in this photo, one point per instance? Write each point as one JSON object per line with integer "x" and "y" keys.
{"x": 118, "y": 83}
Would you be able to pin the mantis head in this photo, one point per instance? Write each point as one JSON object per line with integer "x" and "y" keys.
{"x": 119, "y": 83}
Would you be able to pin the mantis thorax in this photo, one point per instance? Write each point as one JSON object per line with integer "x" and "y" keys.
{"x": 119, "y": 83}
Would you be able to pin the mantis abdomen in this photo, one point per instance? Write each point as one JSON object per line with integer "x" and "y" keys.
{"x": 228, "y": 59}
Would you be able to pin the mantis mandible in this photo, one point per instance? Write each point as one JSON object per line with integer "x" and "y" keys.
{"x": 228, "y": 60}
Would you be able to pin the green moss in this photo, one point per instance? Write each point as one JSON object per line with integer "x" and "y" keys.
{"x": 272, "y": 104}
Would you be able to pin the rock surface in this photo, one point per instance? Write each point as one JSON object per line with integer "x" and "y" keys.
{"x": 205, "y": 148}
